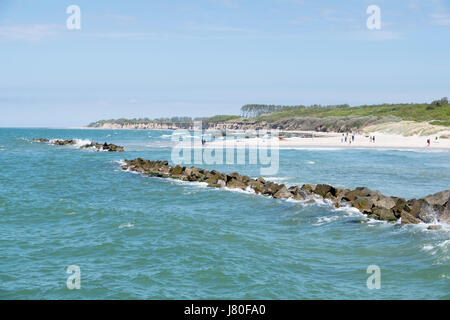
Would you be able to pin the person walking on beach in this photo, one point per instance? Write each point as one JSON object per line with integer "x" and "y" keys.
{"x": 373, "y": 139}
{"x": 428, "y": 142}
{"x": 353, "y": 137}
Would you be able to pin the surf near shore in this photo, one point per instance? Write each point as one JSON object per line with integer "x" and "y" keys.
{"x": 338, "y": 140}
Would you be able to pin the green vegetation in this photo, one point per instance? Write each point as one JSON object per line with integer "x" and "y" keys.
{"x": 221, "y": 118}
{"x": 438, "y": 110}
{"x": 441, "y": 123}
{"x": 173, "y": 120}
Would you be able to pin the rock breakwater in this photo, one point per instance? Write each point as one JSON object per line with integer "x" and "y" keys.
{"x": 95, "y": 145}
{"x": 430, "y": 209}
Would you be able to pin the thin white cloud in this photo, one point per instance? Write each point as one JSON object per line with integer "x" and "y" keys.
{"x": 440, "y": 19}
{"x": 30, "y": 32}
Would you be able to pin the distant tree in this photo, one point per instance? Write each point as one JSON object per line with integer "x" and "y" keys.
{"x": 440, "y": 102}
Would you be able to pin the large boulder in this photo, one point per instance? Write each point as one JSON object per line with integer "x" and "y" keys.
{"x": 384, "y": 202}
{"x": 358, "y": 192}
{"x": 440, "y": 198}
{"x": 177, "y": 170}
{"x": 384, "y": 214}
{"x": 235, "y": 176}
{"x": 400, "y": 206}
{"x": 298, "y": 193}
{"x": 444, "y": 212}
{"x": 422, "y": 210}
{"x": 213, "y": 179}
{"x": 256, "y": 185}
{"x": 407, "y": 218}
{"x": 308, "y": 187}
{"x": 283, "y": 193}
{"x": 236, "y": 184}
{"x": 363, "y": 204}
{"x": 324, "y": 189}
{"x": 270, "y": 188}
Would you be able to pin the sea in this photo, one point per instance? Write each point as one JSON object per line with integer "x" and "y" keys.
{"x": 74, "y": 225}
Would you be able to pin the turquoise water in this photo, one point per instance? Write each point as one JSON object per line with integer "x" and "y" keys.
{"x": 136, "y": 237}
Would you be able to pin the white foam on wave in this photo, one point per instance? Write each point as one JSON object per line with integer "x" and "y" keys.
{"x": 121, "y": 162}
{"x": 78, "y": 142}
{"x": 81, "y": 142}
{"x": 310, "y": 162}
{"x": 126, "y": 225}
{"x": 440, "y": 249}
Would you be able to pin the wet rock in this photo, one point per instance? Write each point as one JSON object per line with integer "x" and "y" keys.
{"x": 443, "y": 212}
{"x": 384, "y": 202}
{"x": 407, "y": 218}
{"x": 384, "y": 214}
{"x": 282, "y": 193}
{"x": 362, "y": 204}
{"x": 422, "y": 210}
{"x": 298, "y": 193}
{"x": 308, "y": 187}
{"x": 435, "y": 227}
{"x": 400, "y": 206}
{"x": 213, "y": 179}
{"x": 440, "y": 198}
{"x": 358, "y": 192}
{"x": 236, "y": 184}
{"x": 323, "y": 189}
{"x": 261, "y": 180}
{"x": 96, "y": 145}
{"x": 177, "y": 170}
{"x": 270, "y": 188}
{"x": 256, "y": 185}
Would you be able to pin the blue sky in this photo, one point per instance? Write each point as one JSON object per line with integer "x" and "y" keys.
{"x": 157, "y": 58}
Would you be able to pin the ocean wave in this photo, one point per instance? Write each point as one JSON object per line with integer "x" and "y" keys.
{"x": 78, "y": 142}
{"x": 126, "y": 225}
{"x": 81, "y": 142}
{"x": 439, "y": 249}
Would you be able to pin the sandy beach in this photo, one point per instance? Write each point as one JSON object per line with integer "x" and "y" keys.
{"x": 336, "y": 140}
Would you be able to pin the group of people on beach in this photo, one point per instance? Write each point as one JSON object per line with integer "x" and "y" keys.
{"x": 346, "y": 137}
{"x": 350, "y": 137}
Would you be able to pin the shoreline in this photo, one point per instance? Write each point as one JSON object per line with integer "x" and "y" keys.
{"x": 333, "y": 140}
{"x": 328, "y": 140}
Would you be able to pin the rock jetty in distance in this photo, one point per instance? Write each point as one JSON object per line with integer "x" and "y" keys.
{"x": 433, "y": 208}
{"x": 100, "y": 147}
